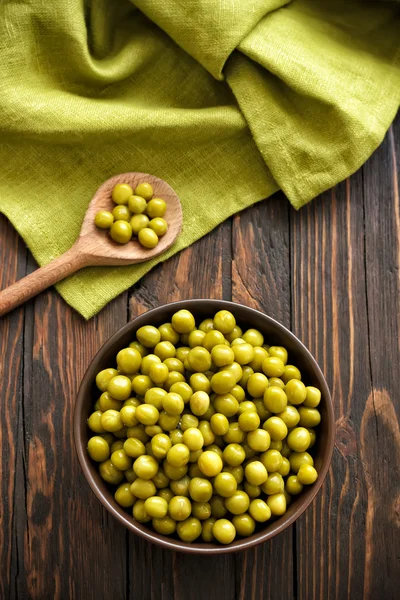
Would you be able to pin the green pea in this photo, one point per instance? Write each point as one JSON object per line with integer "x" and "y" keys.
{"x": 173, "y": 404}
{"x": 140, "y": 384}
{"x": 257, "y": 385}
{"x": 164, "y": 350}
{"x": 110, "y": 473}
{"x": 234, "y": 435}
{"x": 178, "y": 455}
{"x": 121, "y": 232}
{"x": 274, "y": 484}
{"x": 134, "y": 447}
{"x": 224, "y": 321}
{"x": 165, "y": 525}
{"x": 307, "y": 474}
{"x": 145, "y": 467}
{"x": 201, "y": 510}
{"x": 290, "y": 372}
{"x": 222, "y": 382}
{"x": 106, "y": 401}
{"x": 143, "y": 488}
{"x": 238, "y": 503}
{"x": 309, "y": 417}
{"x": 183, "y": 389}
{"x": 148, "y": 335}
{"x": 121, "y": 213}
{"x": 148, "y": 238}
{"x": 104, "y": 219}
{"x": 293, "y": 485}
{"x": 244, "y": 353}
{"x": 129, "y": 361}
{"x": 249, "y": 420}
{"x": 145, "y": 190}
{"x": 206, "y": 325}
{"x": 168, "y": 333}
{"x": 183, "y": 321}
{"x": 290, "y": 416}
{"x": 273, "y": 366}
{"x": 234, "y": 334}
{"x": 137, "y": 204}
{"x": 159, "y": 373}
{"x": 213, "y": 338}
{"x": 123, "y": 495}
{"x": 259, "y": 510}
{"x": 253, "y": 337}
{"x": 193, "y": 438}
{"x": 104, "y": 377}
{"x": 224, "y": 531}
{"x": 313, "y": 397}
{"x": 180, "y": 508}
{"x": 156, "y": 507}
{"x": 272, "y": 460}
{"x": 244, "y": 524}
{"x": 121, "y": 193}
{"x": 180, "y": 487}
{"x": 111, "y": 421}
{"x": 196, "y": 338}
{"x": 200, "y": 383}
{"x": 199, "y": 359}
{"x": 139, "y": 222}
{"x": 276, "y": 428}
{"x": 279, "y": 352}
{"x": 156, "y": 208}
{"x": 139, "y": 512}
{"x": 225, "y": 484}
{"x": 222, "y": 355}
{"x": 277, "y": 504}
{"x": 159, "y": 226}
{"x": 98, "y": 448}
{"x": 299, "y": 439}
{"x": 120, "y": 387}
{"x": 189, "y": 529}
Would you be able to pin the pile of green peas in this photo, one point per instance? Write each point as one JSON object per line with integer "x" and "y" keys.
{"x": 136, "y": 213}
{"x": 205, "y": 430}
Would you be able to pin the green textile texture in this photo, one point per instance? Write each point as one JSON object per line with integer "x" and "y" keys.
{"x": 228, "y": 101}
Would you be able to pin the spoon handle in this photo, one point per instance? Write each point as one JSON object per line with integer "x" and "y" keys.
{"x": 41, "y": 279}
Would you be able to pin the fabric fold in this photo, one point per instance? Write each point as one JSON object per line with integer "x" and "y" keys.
{"x": 227, "y": 101}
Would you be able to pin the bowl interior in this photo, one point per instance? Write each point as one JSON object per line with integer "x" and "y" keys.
{"x": 274, "y": 334}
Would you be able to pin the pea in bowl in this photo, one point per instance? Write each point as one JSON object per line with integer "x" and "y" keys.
{"x": 204, "y": 426}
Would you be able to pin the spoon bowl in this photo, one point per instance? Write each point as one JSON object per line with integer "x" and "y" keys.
{"x": 94, "y": 246}
{"x": 99, "y": 244}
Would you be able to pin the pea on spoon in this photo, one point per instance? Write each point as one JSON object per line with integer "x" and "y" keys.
{"x": 94, "y": 247}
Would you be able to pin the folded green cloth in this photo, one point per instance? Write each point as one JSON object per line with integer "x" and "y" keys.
{"x": 226, "y": 100}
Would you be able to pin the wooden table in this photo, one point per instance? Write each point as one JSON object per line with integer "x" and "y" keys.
{"x": 331, "y": 274}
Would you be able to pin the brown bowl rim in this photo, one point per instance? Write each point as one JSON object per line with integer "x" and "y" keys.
{"x": 145, "y": 532}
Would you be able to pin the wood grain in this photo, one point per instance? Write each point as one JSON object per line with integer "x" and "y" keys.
{"x": 261, "y": 279}
{"x": 67, "y": 544}
{"x": 380, "y": 437}
{"x": 330, "y": 317}
{"x": 13, "y": 260}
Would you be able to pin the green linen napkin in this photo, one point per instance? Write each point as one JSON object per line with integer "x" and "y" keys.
{"x": 227, "y": 101}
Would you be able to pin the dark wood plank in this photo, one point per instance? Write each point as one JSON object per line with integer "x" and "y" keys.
{"x": 201, "y": 271}
{"x": 330, "y": 316}
{"x": 380, "y": 434}
{"x": 261, "y": 279}
{"x": 69, "y": 546}
{"x": 13, "y": 260}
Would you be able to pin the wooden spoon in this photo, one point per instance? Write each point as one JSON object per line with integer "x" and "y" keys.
{"x": 94, "y": 247}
